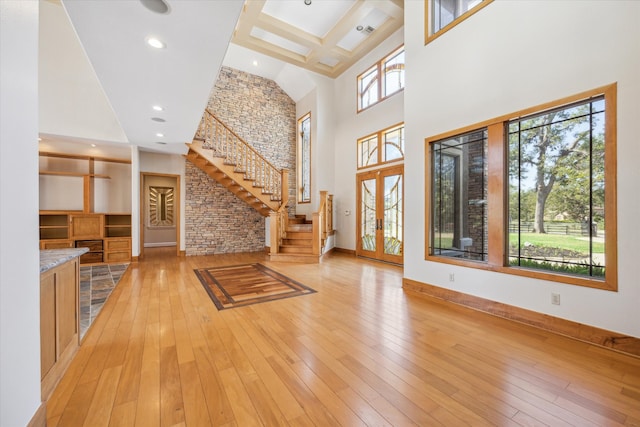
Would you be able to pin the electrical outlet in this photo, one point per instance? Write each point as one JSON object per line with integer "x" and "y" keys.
{"x": 452, "y": 277}
{"x": 555, "y": 298}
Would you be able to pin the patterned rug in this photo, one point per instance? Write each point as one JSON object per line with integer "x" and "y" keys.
{"x": 241, "y": 285}
{"x": 96, "y": 284}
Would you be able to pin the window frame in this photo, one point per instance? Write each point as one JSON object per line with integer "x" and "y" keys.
{"x": 450, "y": 151}
{"x": 497, "y": 199}
{"x": 379, "y": 68}
{"x": 379, "y": 136}
{"x": 430, "y": 35}
{"x": 300, "y": 160}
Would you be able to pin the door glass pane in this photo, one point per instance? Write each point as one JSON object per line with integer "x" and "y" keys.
{"x": 393, "y": 215}
{"x": 368, "y": 215}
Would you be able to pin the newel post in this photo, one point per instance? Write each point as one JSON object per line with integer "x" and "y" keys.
{"x": 284, "y": 187}
{"x": 274, "y": 224}
{"x": 316, "y": 233}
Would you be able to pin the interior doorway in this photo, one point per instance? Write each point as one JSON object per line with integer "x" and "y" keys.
{"x": 159, "y": 211}
{"x": 380, "y": 218}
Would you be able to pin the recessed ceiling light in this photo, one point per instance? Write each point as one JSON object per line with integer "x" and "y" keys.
{"x": 161, "y": 143}
{"x": 158, "y": 119}
{"x": 255, "y": 63}
{"x": 307, "y": 2}
{"x": 159, "y": 134}
{"x": 93, "y": 145}
{"x": 157, "y": 43}
{"x": 359, "y": 28}
{"x": 157, "y": 108}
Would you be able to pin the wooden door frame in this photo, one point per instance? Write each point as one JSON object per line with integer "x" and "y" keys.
{"x": 143, "y": 207}
{"x": 376, "y": 174}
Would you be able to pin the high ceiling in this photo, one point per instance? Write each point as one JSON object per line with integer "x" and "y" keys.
{"x": 325, "y": 36}
{"x": 99, "y": 79}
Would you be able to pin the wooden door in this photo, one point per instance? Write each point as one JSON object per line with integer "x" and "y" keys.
{"x": 380, "y": 220}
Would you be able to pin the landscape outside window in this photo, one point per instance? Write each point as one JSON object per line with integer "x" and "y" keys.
{"x": 557, "y": 190}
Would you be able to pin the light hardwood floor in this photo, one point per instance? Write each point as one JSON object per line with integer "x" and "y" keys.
{"x": 360, "y": 351}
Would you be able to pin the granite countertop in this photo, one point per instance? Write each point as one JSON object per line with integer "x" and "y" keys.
{"x": 50, "y": 258}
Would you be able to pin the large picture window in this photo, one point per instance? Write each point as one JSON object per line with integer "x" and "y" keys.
{"x": 557, "y": 189}
{"x": 442, "y": 15}
{"x": 547, "y": 208}
{"x": 381, "y": 80}
{"x": 304, "y": 159}
{"x": 459, "y": 224}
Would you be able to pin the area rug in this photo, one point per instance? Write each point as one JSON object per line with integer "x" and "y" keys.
{"x": 242, "y": 285}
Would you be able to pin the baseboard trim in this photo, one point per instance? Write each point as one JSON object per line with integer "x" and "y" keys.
{"x": 590, "y": 334}
{"x": 345, "y": 251}
{"x": 159, "y": 244}
{"x": 39, "y": 418}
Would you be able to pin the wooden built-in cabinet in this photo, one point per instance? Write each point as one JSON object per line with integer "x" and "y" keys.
{"x": 59, "y": 322}
{"x": 107, "y": 236}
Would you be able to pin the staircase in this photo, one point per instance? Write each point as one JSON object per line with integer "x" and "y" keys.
{"x": 297, "y": 246}
{"x": 233, "y": 163}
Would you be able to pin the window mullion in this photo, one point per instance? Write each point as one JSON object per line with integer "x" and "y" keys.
{"x": 496, "y": 164}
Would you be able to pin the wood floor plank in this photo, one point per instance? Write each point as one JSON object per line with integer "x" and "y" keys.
{"x": 101, "y": 406}
{"x": 360, "y": 351}
{"x": 171, "y": 403}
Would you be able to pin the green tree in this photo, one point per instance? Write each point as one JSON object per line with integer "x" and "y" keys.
{"x": 552, "y": 149}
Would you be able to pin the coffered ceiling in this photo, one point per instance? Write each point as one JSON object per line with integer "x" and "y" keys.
{"x": 325, "y": 36}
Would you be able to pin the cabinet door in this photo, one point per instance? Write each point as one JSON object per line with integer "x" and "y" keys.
{"x": 66, "y": 306}
{"x": 88, "y": 226}
{"x": 47, "y": 323}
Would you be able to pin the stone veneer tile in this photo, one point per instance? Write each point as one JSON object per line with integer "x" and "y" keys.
{"x": 262, "y": 114}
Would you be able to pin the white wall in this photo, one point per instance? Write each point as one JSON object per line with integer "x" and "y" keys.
{"x": 19, "y": 255}
{"x": 507, "y": 57}
{"x": 349, "y": 126}
{"x": 170, "y": 164}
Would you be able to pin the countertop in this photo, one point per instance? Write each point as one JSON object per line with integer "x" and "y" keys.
{"x": 50, "y": 258}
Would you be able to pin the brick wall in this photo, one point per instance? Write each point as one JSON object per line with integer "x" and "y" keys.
{"x": 216, "y": 221}
{"x": 262, "y": 114}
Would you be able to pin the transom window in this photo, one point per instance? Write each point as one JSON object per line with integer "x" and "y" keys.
{"x": 442, "y": 15}
{"x": 384, "y": 146}
{"x": 381, "y": 80}
{"x": 532, "y": 193}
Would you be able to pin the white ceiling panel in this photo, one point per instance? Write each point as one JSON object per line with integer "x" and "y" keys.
{"x": 135, "y": 76}
{"x": 317, "y": 18}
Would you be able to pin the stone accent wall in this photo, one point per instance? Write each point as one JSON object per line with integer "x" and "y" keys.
{"x": 262, "y": 114}
{"x": 216, "y": 221}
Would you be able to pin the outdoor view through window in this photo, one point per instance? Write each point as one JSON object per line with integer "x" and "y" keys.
{"x": 556, "y": 190}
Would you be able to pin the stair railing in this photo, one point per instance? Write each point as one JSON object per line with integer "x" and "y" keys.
{"x": 322, "y": 222}
{"x": 227, "y": 145}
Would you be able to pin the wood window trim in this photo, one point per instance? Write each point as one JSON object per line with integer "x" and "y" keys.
{"x": 497, "y": 194}
{"x": 299, "y": 148}
{"x": 379, "y": 66}
{"x": 429, "y": 36}
{"x": 379, "y": 135}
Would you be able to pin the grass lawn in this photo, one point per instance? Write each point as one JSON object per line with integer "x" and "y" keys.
{"x": 557, "y": 241}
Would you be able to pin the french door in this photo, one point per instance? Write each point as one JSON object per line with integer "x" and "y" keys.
{"x": 380, "y": 214}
